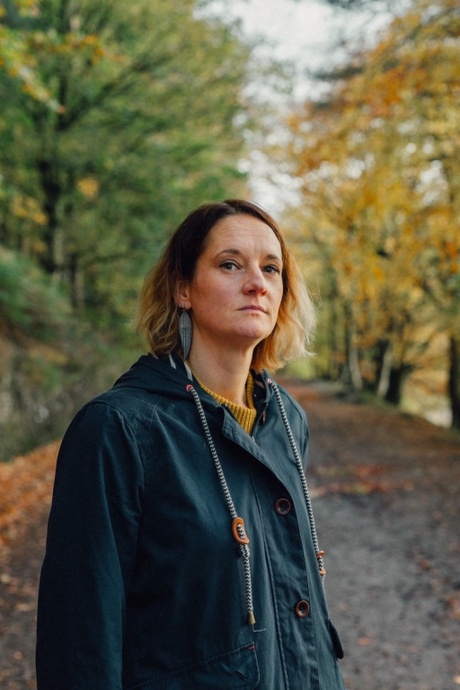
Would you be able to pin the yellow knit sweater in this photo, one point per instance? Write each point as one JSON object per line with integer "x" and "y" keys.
{"x": 245, "y": 416}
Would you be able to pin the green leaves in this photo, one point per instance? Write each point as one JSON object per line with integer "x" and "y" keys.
{"x": 143, "y": 118}
{"x": 29, "y": 303}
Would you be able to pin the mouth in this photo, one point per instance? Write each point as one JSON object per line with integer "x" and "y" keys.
{"x": 254, "y": 307}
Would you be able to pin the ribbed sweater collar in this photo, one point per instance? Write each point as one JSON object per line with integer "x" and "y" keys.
{"x": 245, "y": 416}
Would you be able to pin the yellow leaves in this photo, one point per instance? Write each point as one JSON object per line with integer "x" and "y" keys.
{"x": 69, "y": 44}
{"x": 28, "y": 7}
{"x": 378, "y": 160}
{"x": 88, "y": 186}
{"x": 25, "y": 7}
{"x": 449, "y": 259}
{"x": 26, "y": 485}
{"x": 27, "y": 208}
{"x": 378, "y": 273}
{"x": 90, "y": 43}
{"x": 19, "y": 60}
{"x": 452, "y": 250}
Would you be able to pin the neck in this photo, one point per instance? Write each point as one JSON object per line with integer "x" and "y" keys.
{"x": 226, "y": 376}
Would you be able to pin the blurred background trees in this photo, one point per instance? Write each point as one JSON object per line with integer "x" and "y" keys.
{"x": 117, "y": 118}
{"x": 141, "y": 115}
{"x": 378, "y": 172}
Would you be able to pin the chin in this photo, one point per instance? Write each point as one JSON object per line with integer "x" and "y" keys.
{"x": 255, "y": 336}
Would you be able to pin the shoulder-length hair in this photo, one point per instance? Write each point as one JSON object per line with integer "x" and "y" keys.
{"x": 158, "y": 318}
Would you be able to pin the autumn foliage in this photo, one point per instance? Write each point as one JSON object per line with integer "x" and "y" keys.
{"x": 26, "y": 486}
{"x": 377, "y": 165}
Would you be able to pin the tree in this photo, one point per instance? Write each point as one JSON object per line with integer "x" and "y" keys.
{"x": 150, "y": 121}
{"x": 377, "y": 167}
{"x": 16, "y": 59}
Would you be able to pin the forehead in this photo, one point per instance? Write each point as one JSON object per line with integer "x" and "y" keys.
{"x": 243, "y": 231}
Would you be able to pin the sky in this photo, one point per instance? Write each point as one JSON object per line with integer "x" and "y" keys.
{"x": 306, "y": 32}
{"x": 290, "y": 25}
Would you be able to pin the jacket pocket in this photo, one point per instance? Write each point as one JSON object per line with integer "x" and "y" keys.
{"x": 336, "y": 641}
{"x": 235, "y": 670}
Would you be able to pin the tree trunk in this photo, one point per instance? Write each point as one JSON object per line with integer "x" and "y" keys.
{"x": 77, "y": 284}
{"x": 386, "y": 364}
{"x": 352, "y": 366}
{"x": 51, "y": 193}
{"x": 396, "y": 381}
{"x": 333, "y": 337}
{"x": 454, "y": 380}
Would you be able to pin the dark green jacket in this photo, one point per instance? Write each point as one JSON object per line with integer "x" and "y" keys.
{"x": 142, "y": 587}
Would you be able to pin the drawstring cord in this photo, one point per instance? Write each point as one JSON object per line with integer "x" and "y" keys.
{"x": 238, "y": 528}
{"x": 303, "y": 479}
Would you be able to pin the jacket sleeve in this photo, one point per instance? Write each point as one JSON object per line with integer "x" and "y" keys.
{"x": 90, "y": 554}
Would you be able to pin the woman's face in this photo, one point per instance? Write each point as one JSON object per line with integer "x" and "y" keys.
{"x": 237, "y": 288}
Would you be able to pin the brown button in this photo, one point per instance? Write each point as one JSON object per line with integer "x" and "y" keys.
{"x": 302, "y": 608}
{"x": 283, "y": 506}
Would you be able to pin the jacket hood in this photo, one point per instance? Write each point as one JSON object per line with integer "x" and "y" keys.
{"x": 168, "y": 375}
{"x": 163, "y": 375}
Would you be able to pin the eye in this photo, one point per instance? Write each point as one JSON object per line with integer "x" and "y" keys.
{"x": 229, "y": 265}
{"x": 272, "y": 268}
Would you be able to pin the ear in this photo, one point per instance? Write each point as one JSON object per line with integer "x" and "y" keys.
{"x": 181, "y": 294}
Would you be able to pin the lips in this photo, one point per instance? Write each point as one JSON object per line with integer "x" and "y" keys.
{"x": 253, "y": 307}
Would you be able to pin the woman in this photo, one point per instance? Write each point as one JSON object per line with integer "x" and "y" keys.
{"x": 181, "y": 550}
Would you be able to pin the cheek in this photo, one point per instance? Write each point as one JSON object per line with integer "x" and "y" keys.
{"x": 279, "y": 296}
{"x": 207, "y": 297}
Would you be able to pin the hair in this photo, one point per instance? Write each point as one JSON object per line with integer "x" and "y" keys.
{"x": 158, "y": 317}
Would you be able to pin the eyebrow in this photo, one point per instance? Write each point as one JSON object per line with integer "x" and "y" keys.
{"x": 237, "y": 252}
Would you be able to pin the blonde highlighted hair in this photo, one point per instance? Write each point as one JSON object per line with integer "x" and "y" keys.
{"x": 158, "y": 318}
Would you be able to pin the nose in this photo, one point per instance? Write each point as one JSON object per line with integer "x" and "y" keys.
{"x": 255, "y": 282}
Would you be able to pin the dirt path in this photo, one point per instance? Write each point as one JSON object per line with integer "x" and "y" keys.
{"x": 386, "y": 493}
